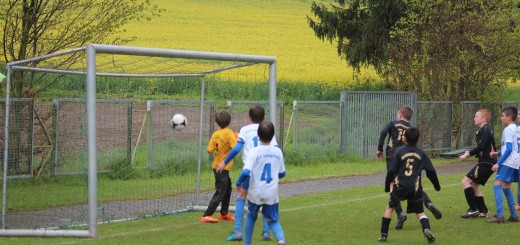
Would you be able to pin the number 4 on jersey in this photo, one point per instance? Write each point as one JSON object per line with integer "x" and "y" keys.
{"x": 266, "y": 173}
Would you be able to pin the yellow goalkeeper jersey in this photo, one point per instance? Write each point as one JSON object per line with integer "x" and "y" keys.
{"x": 221, "y": 142}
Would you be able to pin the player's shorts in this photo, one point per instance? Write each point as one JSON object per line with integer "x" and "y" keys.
{"x": 413, "y": 198}
{"x": 507, "y": 174}
{"x": 480, "y": 173}
{"x": 268, "y": 211}
{"x": 245, "y": 184}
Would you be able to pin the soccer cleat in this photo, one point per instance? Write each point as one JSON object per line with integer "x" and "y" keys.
{"x": 497, "y": 220}
{"x": 383, "y": 238}
{"x": 429, "y": 235}
{"x": 400, "y": 221}
{"x": 281, "y": 242}
{"x": 436, "y": 212}
{"x": 517, "y": 207}
{"x": 483, "y": 215}
{"x": 208, "y": 219}
{"x": 470, "y": 214}
{"x": 234, "y": 237}
{"x": 511, "y": 219}
{"x": 226, "y": 217}
{"x": 266, "y": 236}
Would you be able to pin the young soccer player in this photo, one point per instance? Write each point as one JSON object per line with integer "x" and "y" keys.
{"x": 403, "y": 180}
{"x": 247, "y": 139}
{"x": 262, "y": 169}
{"x": 395, "y": 131}
{"x": 506, "y": 167}
{"x": 221, "y": 142}
{"x": 480, "y": 173}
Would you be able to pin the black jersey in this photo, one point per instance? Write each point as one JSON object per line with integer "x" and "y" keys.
{"x": 395, "y": 131}
{"x": 485, "y": 144}
{"x": 406, "y": 167}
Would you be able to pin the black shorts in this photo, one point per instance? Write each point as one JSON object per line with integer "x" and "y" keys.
{"x": 413, "y": 198}
{"x": 480, "y": 173}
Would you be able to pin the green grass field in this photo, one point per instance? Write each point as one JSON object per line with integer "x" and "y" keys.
{"x": 349, "y": 216}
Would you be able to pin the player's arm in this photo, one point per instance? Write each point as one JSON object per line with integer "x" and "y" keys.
{"x": 212, "y": 144}
{"x": 234, "y": 151}
{"x": 507, "y": 152}
{"x": 281, "y": 173}
{"x": 245, "y": 173}
{"x": 390, "y": 175}
{"x": 431, "y": 173}
{"x": 382, "y": 136}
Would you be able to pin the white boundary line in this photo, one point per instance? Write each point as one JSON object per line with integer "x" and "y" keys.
{"x": 76, "y": 241}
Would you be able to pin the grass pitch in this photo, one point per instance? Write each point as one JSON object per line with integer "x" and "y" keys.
{"x": 349, "y": 216}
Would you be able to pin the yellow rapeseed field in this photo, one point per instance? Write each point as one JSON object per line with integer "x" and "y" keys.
{"x": 262, "y": 27}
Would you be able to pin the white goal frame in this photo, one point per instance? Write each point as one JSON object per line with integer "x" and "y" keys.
{"x": 91, "y": 73}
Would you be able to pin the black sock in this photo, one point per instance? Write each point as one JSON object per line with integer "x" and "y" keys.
{"x": 470, "y": 198}
{"x": 398, "y": 208}
{"x": 385, "y": 224}
{"x": 426, "y": 199}
{"x": 481, "y": 204}
{"x": 425, "y": 223}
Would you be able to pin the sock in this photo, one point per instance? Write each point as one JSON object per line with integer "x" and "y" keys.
{"x": 497, "y": 191}
{"x": 426, "y": 199}
{"x": 481, "y": 204}
{"x": 510, "y": 201}
{"x": 470, "y": 198}
{"x": 385, "y": 225}
{"x": 425, "y": 222}
{"x": 239, "y": 215}
{"x": 398, "y": 209}
{"x": 277, "y": 230}
{"x": 248, "y": 229}
{"x": 265, "y": 225}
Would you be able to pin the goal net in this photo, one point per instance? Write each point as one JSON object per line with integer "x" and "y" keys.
{"x": 92, "y": 142}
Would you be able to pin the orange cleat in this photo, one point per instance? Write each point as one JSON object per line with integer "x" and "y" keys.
{"x": 226, "y": 217}
{"x": 208, "y": 219}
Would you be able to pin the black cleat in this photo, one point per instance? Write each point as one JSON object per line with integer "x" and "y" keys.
{"x": 429, "y": 235}
{"x": 383, "y": 238}
{"x": 470, "y": 214}
{"x": 400, "y": 221}
{"x": 436, "y": 212}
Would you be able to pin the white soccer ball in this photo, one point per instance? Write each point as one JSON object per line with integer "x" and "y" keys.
{"x": 178, "y": 121}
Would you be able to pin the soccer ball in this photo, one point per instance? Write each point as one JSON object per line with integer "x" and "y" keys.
{"x": 178, "y": 121}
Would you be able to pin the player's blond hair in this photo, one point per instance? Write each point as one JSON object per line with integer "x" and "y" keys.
{"x": 485, "y": 113}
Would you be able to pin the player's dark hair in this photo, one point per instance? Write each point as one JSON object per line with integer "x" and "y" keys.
{"x": 412, "y": 135}
{"x": 257, "y": 113}
{"x": 510, "y": 111}
{"x": 266, "y": 131}
{"x": 406, "y": 111}
{"x": 223, "y": 119}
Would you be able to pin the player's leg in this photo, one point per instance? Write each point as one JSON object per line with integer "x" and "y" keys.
{"x": 236, "y": 235}
{"x": 224, "y": 215}
{"x": 207, "y": 217}
{"x": 499, "y": 200}
{"x": 401, "y": 216}
{"x": 387, "y": 217}
{"x": 484, "y": 173}
{"x": 469, "y": 193}
{"x": 250, "y": 222}
{"x": 506, "y": 188}
{"x": 430, "y": 206}
{"x": 266, "y": 230}
{"x": 415, "y": 205}
{"x": 270, "y": 213}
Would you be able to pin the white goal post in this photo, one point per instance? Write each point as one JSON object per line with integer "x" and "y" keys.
{"x": 91, "y": 71}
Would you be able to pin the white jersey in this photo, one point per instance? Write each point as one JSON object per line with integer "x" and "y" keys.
{"x": 265, "y": 163}
{"x": 509, "y": 135}
{"x": 249, "y": 135}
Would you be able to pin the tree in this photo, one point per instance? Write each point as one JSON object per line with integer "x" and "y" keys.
{"x": 32, "y": 28}
{"x": 455, "y": 50}
{"x": 442, "y": 49}
{"x": 360, "y": 28}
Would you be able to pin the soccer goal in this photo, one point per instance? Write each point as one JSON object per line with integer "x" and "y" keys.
{"x": 93, "y": 144}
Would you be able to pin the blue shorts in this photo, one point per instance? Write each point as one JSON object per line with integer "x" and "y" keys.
{"x": 268, "y": 211}
{"x": 245, "y": 184}
{"x": 507, "y": 174}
